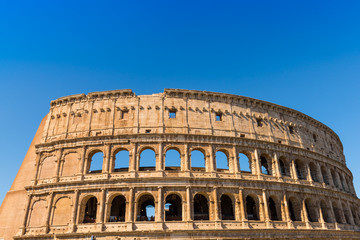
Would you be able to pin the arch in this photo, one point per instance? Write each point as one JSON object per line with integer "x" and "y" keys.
{"x": 96, "y": 159}
{"x": 300, "y": 169}
{"x": 118, "y": 209}
{"x": 37, "y": 216}
{"x": 325, "y": 175}
{"x": 244, "y": 162}
{"x": 311, "y": 210}
{"x": 355, "y": 216}
{"x": 274, "y": 213}
{"x": 325, "y": 212}
{"x": 284, "y": 167}
{"x": 173, "y": 208}
{"x": 146, "y": 208}
{"x": 227, "y": 208}
{"x": 314, "y": 172}
{"x": 252, "y": 208}
{"x": 265, "y": 165}
{"x": 47, "y": 167}
{"x": 90, "y": 208}
{"x": 197, "y": 160}
{"x": 294, "y": 209}
{"x": 222, "y": 160}
{"x": 70, "y": 165}
{"x": 147, "y": 161}
{"x": 201, "y": 207}
{"x": 337, "y": 213}
{"x": 121, "y": 160}
{"x": 62, "y": 211}
{"x": 172, "y": 159}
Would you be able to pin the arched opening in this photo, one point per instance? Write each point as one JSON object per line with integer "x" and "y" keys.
{"x": 313, "y": 172}
{"x": 121, "y": 161}
{"x": 62, "y": 211}
{"x": 300, "y": 169}
{"x": 273, "y": 210}
{"x": 90, "y": 210}
{"x": 325, "y": 175}
{"x": 284, "y": 169}
{"x": 222, "y": 162}
{"x": 311, "y": 211}
{"x": 325, "y": 212}
{"x": 227, "y": 210}
{"x": 337, "y": 213}
{"x": 117, "y": 212}
{"x": 146, "y": 208}
{"x": 244, "y": 162}
{"x": 96, "y": 162}
{"x": 265, "y": 166}
{"x": 334, "y": 178}
{"x": 294, "y": 209}
{"x": 197, "y": 161}
{"x": 342, "y": 181}
{"x": 147, "y": 160}
{"x": 356, "y": 217}
{"x": 201, "y": 207}
{"x": 172, "y": 160}
{"x": 173, "y": 208}
{"x": 251, "y": 209}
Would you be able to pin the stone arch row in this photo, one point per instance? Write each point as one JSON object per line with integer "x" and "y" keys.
{"x": 244, "y": 205}
{"x": 209, "y": 159}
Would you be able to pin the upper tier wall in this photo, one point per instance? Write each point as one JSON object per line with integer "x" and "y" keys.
{"x": 122, "y": 112}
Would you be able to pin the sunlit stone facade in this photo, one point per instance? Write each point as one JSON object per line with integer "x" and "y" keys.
{"x": 263, "y": 171}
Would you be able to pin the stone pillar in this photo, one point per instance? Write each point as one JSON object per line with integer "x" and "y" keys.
{"x": 293, "y": 169}
{"x": 133, "y": 157}
{"x": 188, "y": 204}
{"x": 212, "y": 160}
{"x": 48, "y": 213}
{"x": 107, "y": 159}
{"x": 130, "y": 205}
{"x": 84, "y": 162}
{"x": 266, "y": 208}
{"x": 102, "y": 205}
{"x": 26, "y": 214}
{"x": 257, "y": 163}
{"x": 332, "y": 213}
{"x": 160, "y": 159}
{"x": 160, "y": 206}
{"x": 185, "y": 159}
{"x": 309, "y": 177}
{"x": 75, "y": 210}
{"x": 342, "y": 213}
{"x": 351, "y": 216}
{"x": 305, "y": 215}
{"x": 321, "y": 180}
{"x": 277, "y": 166}
{"x": 216, "y": 205}
{"x": 58, "y": 164}
{"x": 236, "y": 161}
{"x": 37, "y": 166}
{"x": 321, "y": 217}
{"x": 286, "y": 211}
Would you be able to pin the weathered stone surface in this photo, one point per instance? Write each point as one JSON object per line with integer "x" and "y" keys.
{"x": 297, "y": 186}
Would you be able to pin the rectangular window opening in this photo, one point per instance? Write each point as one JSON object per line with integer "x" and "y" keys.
{"x": 259, "y": 122}
{"x": 242, "y": 135}
{"x": 218, "y": 117}
{"x": 124, "y": 114}
{"x": 147, "y": 131}
{"x": 172, "y": 114}
{"x": 291, "y": 129}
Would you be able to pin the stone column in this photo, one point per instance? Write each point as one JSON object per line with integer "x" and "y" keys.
{"x": 212, "y": 160}
{"x": 75, "y": 210}
{"x": 242, "y": 208}
{"x": 309, "y": 177}
{"x": 107, "y": 159}
{"x": 286, "y": 211}
{"x": 306, "y": 217}
{"x": 26, "y": 214}
{"x": 277, "y": 167}
{"x": 341, "y": 210}
{"x": 160, "y": 206}
{"x": 216, "y": 205}
{"x": 130, "y": 206}
{"x": 48, "y": 213}
{"x": 188, "y": 204}
{"x": 102, "y": 205}
{"x": 266, "y": 208}
{"x": 37, "y": 166}
{"x": 352, "y": 219}
{"x": 160, "y": 159}
{"x": 321, "y": 217}
{"x": 58, "y": 164}
{"x": 133, "y": 157}
{"x": 293, "y": 169}
{"x": 321, "y": 180}
{"x": 257, "y": 163}
{"x": 84, "y": 162}
{"x": 185, "y": 159}
{"x": 236, "y": 161}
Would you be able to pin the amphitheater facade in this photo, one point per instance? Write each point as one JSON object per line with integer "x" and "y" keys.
{"x": 263, "y": 171}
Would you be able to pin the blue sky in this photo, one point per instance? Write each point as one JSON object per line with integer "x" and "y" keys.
{"x": 301, "y": 54}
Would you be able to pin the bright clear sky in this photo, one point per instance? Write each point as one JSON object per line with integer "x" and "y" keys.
{"x": 301, "y": 54}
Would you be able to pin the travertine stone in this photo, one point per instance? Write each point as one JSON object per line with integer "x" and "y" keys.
{"x": 298, "y": 185}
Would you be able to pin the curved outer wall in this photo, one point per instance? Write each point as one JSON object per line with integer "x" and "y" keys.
{"x": 54, "y": 183}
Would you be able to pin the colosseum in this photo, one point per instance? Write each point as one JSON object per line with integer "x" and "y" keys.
{"x": 181, "y": 164}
